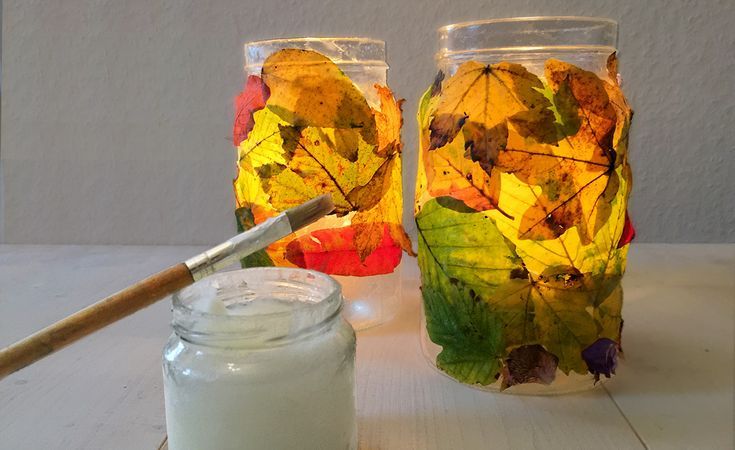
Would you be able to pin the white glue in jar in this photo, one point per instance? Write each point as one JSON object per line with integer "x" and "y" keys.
{"x": 260, "y": 359}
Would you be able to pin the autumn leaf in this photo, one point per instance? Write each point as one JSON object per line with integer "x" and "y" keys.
{"x": 560, "y": 137}
{"x": 529, "y": 364}
{"x": 317, "y": 134}
{"x": 628, "y": 232}
{"x": 601, "y": 358}
{"x": 250, "y": 100}
{"x": 560, "y": 308}
{"x": 465, "y": 328}
{"x": 387, "y": 210}
{"x": 388, "y": 120}
{"x": 450, "y": 173}
{"x": 486, "y": 98}
{"x": 333, "y": 251}
{"x": 530, "y": 225}
{"x": 309, "y": 90}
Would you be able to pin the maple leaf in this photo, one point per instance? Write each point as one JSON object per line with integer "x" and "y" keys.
{"x": 486, "y": 98}
{"x": 250, "y": 100}
{"x": 309, "y": 90}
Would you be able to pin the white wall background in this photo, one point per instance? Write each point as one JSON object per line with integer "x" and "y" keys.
{"x": 115, "y": 114}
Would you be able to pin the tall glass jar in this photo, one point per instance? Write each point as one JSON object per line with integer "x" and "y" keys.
{"x": 260, "y": 359}
{"x": 316, "y": 116}
{"x": 521, "y": 200}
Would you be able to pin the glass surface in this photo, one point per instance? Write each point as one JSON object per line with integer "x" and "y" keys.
{"x": 584, "y": 41}
{"x": 372, "y": 297}
{"x": 521, "y": 201}
{"x": 261, "y": 358}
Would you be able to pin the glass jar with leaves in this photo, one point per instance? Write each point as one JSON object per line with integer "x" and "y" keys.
{"x": 315, "y": 117}
{"x": 521, "y": 201}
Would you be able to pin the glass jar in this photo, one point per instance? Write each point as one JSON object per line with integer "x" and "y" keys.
{"x": 260, "y": 359}
{"x": 521, "y": 201}
{"x": 316, "y": 116}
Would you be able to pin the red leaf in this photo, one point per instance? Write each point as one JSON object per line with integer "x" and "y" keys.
{"x": 628, "y": 232}
{"x": 333, "y": 251}
{"x": 249, "y": 101}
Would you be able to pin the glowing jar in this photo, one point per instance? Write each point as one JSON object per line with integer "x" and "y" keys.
{"x": 316, "y": 116}
{"x": 260, "y": 359}
{"x": 521, "y": 201}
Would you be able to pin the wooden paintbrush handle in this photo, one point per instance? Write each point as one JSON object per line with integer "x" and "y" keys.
{"x": 92, "y": 318}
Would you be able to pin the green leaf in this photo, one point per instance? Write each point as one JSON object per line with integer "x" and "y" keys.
{"x": 245, "y": 221}
{"x": 470, "y": 335}
{"x": 468, "y": 245}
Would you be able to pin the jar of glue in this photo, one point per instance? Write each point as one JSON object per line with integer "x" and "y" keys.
{"x": 260, "y": 359}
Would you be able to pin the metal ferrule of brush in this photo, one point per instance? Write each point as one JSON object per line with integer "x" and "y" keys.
{"x": 232, "y": 250}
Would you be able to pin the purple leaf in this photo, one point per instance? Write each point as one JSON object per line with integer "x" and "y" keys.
{"x": 601, "y": 357}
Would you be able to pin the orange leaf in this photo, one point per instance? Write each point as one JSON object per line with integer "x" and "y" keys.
{"x": 333, "y": 251}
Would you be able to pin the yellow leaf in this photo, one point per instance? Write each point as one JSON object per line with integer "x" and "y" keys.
{"x": 309, "y": 90}
{"x": 389, "y": 121}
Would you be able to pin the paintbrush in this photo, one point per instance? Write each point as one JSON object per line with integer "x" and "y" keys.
{"x": 158, "y": 286}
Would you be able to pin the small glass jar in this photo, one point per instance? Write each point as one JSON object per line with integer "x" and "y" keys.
{"x": 522, "y": 189}
{"x": 361, "y": 244}
{"x": 260, "y": 359}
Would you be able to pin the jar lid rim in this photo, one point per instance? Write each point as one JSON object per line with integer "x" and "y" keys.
{"x": 333, "y": 290}
{"x": 470, "y": 23}
{"x": 366, "y": 40}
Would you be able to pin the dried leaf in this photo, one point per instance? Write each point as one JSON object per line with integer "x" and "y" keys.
{"x": 486, "y": 97}
{"x": 529, "y": 364}
{"x": 317, "y": 134}
{"x": 601, "y": 357}
{"x": 389, "y": 121}
{"x": 333, "y": 251}
{"x": 309, "y": 90}
{"x": 534, "y": 239}
{"x": 250, "y": 100}
{"x": 628, "y": 232}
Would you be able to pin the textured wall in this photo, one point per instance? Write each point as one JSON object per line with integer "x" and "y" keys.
{"x": 115, "y": 115}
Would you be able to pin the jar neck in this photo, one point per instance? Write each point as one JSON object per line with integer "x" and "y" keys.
{"x": 257, "y": 308}
{"x": 533, "y": 61}
{"x": 361, "y": 59}
{"x": 583, "y": 41}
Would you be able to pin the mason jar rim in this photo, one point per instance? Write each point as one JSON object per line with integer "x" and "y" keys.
{"x": 195, "y": 325}
{"x": 362, "y": 51}
{"x": 525, "y": 35}
{"x": 527, "y": 19}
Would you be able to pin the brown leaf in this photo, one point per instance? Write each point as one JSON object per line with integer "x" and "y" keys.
{"x": 529, "y": 364}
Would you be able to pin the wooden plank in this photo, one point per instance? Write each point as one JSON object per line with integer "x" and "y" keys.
{"x": 404, "y": 403}
{"x": 675, "y": 385}
{"x": 103, "y": 392}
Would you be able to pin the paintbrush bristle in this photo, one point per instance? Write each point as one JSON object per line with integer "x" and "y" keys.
{"x": 309, "y": 212}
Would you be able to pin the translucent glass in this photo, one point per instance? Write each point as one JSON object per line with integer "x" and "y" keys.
{"x": 271, "y": 367}
{"x": 530, "y": 42}
{"x": 361, "y": 59}
{"x": 583, "y": 41}
{"x": 369, "y": 300}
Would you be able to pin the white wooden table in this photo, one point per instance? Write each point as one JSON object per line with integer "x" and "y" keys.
{"x": 674, "y": 389}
